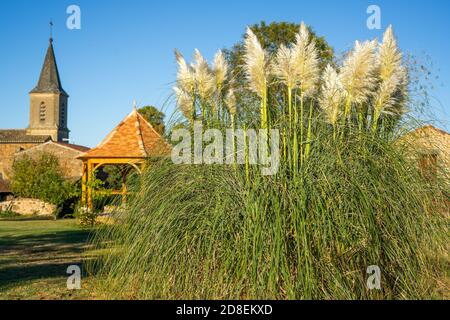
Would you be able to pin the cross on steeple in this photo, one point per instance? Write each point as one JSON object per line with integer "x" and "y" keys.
{"x": 51, "y": 30}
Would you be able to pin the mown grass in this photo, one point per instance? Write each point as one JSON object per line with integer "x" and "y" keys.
{"x": 35, "y": 255}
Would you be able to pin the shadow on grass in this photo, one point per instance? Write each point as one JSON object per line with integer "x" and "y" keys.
{"x": 40, "y": 256}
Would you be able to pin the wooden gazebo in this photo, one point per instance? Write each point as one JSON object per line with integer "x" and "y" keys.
{"x": 131, "y": 142}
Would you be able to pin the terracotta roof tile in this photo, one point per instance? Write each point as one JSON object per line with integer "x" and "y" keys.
{"x": 134, "y": 137}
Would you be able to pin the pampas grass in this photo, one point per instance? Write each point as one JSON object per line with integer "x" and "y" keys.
{"x": 185, "y": 75}
{"x": 204, "y": 78}
{"x": 332, "y": 96}
{"x": 185, "y": 104}
{"x": 389, "y": 97}
{"x": 358, "y": 74}
{"x": 306, "y": 62}
{"x": 220, "y": 70}
{"x": 257, "y": 70}
{"x": 311, "y": 230}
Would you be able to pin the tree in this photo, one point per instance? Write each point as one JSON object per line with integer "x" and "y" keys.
{"x": 154, "y": 117}
{"x": 42, "y": 178}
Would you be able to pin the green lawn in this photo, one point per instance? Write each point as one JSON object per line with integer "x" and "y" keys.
{"x": 34, "y": 256}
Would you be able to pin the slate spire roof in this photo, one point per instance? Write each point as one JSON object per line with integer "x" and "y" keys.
{"x": 49, "y": 81}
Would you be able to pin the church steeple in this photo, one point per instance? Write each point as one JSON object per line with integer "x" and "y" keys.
{"x": 48, "y": 102}
{"x": 49, "y": 81}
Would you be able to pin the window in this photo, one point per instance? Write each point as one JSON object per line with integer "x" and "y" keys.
{"x": 42, "y": 111}
{"x": 63, "y": 115}
{"x": 428, "y": 165}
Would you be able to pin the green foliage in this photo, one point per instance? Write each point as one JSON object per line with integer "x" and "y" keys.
{"x": 116, "y": 174}
{"x": 41, "y": 178}
{"x": 85, "y": 217}
{"x": 101, "y": 191}
{"x": 8, "y": 214}
{"x": 154, "y": 117}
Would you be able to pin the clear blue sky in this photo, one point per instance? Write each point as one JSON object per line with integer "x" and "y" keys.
{"x": 124, "y": 50}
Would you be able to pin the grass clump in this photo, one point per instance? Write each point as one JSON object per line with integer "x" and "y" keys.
{"x": 346, "y": 196}
{"x": 207, "y": 234}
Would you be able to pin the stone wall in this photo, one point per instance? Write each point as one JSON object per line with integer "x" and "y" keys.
{"x": 25, "y": 206}
{"x": 7, "y": 151}
{"x": 71, "y": 167}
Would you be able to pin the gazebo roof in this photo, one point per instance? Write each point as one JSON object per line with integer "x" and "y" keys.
{"x": 134, "y": 137}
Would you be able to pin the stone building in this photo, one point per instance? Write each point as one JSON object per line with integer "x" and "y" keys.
{"x": 67, "y": 154}
{"x": 430, "y": 147}
{"x": 47, "y": 123}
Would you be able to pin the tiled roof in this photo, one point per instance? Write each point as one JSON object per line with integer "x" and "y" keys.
{"x": 20, "y": 136}
{"x": 77, "y": 148}
{"x": 74, "y": 146}
{"x": 49, "y": 81}
{"x": 134, "y": 137}
{"x": 4, "y": 188}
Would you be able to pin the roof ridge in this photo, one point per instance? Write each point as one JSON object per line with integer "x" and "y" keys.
{"x": 133, "y": 137}
{"x": 141, "y": 143}
{"x": 153, "y": 129}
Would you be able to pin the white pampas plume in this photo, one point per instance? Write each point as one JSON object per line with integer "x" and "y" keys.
{"x": 204, "y": 79}
{"x": 220, "y": 69}
{"x": 184, "y": 102}
{"x": 306, "y": 62}
{"x": 332, "y": 96}
{"x": 389, "y": 57}
{"x": 298, "y": 66}
{"x": 185, "y": 74}
{"x": 230, "y": 102}
{"x": 358, "y": 72}
{"x": 392, "y": 91}
{"x": 283, "y": 67}
{"x": 256, "y": 64}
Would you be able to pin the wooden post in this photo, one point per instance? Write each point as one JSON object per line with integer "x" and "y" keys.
{"x": 89, "y": 185}
{"x": 83, "y": 183}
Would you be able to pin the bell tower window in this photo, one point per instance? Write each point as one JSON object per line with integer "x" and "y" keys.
{"x": 63, "y": 115}
{"x": 42, "y": 111}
